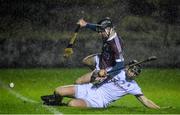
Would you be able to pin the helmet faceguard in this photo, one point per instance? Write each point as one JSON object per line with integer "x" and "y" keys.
{"x": 134, "y": 71}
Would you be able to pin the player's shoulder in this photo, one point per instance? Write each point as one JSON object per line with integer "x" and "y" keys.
{"x": 111, "y": 38}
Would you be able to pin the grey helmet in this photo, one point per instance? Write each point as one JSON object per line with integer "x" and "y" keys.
{"x": 136, "y": 69}
{"x": 103, "y": 24}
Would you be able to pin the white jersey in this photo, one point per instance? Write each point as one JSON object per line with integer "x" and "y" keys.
{"x": 101, "y": 97}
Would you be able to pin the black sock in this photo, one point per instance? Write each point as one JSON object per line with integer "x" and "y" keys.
{"x": 58, "y": 97}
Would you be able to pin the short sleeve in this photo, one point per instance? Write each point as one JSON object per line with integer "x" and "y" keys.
{"x": 136, "y": 90}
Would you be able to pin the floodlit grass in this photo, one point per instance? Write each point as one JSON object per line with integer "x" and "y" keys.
{"x": 160, "y": 85}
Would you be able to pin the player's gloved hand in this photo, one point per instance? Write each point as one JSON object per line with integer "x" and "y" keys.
{"x": 68, "y": 51}
{"x": 102, "y": 73}
{"x": 94, "y": 75}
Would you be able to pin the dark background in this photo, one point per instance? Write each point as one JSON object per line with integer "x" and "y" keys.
{"x": 34, "y": 33}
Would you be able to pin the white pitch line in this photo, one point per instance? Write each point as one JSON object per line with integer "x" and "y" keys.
{"x": 53, "y": 110}
{"x": 17, "y": 95}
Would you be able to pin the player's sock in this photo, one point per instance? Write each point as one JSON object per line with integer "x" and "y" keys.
{"x": 58, "y": 98}
{"x": 47, "y": 97}
{"x": 54, "y": 99}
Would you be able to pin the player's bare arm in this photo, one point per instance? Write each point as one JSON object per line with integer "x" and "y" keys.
{"x": 86, "y": 78}
{"x": 92, "y": 76}
{"x": 147, "y": 102}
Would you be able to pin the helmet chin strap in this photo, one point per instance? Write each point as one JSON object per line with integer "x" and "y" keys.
{"x": 108, "y": 32}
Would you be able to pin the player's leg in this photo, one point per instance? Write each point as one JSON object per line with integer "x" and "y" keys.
{"x": 86, "y": 78}
{"x": 90, "y": 61}
{"x": 60, "y": 92}
{"x": 77, "y": 103}
{"x": 68, "y": 90}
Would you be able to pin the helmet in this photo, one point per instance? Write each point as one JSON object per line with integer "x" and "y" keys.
{"x": 136, "y": 69}
{"x": 103, "y": 24}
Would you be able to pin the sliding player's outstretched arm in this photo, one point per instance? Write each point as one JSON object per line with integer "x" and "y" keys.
{"x": 147, "y": 102}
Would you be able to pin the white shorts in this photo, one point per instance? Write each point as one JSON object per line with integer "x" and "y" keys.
{"x": 91, "y": 96}
{"x": 101, "y": 97}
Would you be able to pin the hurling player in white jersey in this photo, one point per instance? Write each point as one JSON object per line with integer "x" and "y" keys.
{"x": 84, "y": 95}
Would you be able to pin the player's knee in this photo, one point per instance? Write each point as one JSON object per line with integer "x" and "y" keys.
{"x": 77, "y": 103}
{"x": 84, "y": 60}
{"x": 59, "y": 90}
{"x": 78, "y": 81}
{"x": 89, "y": 60}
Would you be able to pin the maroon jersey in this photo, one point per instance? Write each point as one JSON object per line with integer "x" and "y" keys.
{"x": 111, "y": 52}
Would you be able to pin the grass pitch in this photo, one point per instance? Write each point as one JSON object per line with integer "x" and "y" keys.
{"x": 160, "y": 85}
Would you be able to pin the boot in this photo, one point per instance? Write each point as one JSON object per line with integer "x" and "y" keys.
{"x": 54, "y": 99}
